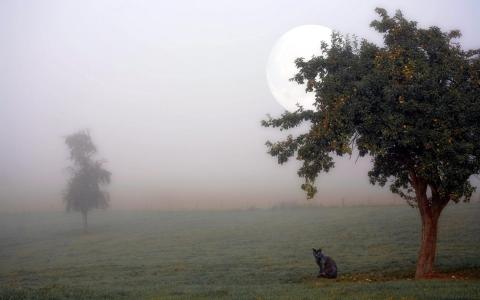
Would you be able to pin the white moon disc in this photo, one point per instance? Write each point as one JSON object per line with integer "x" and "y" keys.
{"x": 303, "y": 41}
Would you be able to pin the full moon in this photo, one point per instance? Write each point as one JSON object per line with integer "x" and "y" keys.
{"x": 302, "y": 41}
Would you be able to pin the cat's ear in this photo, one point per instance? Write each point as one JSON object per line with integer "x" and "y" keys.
{"x": 314, "y": 251}
{"x": 319, "y": 250}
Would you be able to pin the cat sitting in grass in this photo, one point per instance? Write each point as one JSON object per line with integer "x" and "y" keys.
{"x": 328, "y": 267}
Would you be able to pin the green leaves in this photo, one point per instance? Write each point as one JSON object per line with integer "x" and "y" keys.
{"x": 413, "y": 105}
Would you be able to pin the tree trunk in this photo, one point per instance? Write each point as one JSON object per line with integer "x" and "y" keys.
{"x": 430, "y": 210}
{"x": 85, "y": 223}
{"x": 426, "y": 256}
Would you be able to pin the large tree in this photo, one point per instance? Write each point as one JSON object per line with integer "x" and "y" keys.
{"x": 84, "y": 189}
{"x": 411, "y": 104}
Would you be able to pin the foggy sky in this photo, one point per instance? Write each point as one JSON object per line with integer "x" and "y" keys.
{"x": 173, "y": 93}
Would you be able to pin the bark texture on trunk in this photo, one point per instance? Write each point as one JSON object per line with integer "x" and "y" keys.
{"x": 430, "y": 209}
{"x": 428, "y": 248}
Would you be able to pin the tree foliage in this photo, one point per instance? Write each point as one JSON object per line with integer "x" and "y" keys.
{"x": 412, "y": 105}
{"x": 84, "y": 190}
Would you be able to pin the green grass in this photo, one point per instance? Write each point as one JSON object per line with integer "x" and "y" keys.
{"x": 251, "y": 254}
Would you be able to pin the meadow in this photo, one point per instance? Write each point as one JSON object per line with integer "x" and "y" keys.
{"x": 258, "y": 254}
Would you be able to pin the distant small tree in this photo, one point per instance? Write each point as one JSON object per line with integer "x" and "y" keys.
{"x": 84, "y": 191}
{"x": 412, "y": 105}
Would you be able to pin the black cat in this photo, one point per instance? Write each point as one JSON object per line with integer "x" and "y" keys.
{"x": 328, "y": 267}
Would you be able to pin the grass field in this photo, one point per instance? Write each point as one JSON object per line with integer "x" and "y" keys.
{"x": 262, "y": 254}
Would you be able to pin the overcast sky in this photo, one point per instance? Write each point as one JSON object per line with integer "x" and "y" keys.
{"x": 173, "y": 93}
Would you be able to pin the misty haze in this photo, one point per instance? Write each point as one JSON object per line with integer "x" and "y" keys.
{"x": 156, "y": 149}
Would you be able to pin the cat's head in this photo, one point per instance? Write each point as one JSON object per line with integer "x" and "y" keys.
{"x": 317, "y": 252}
